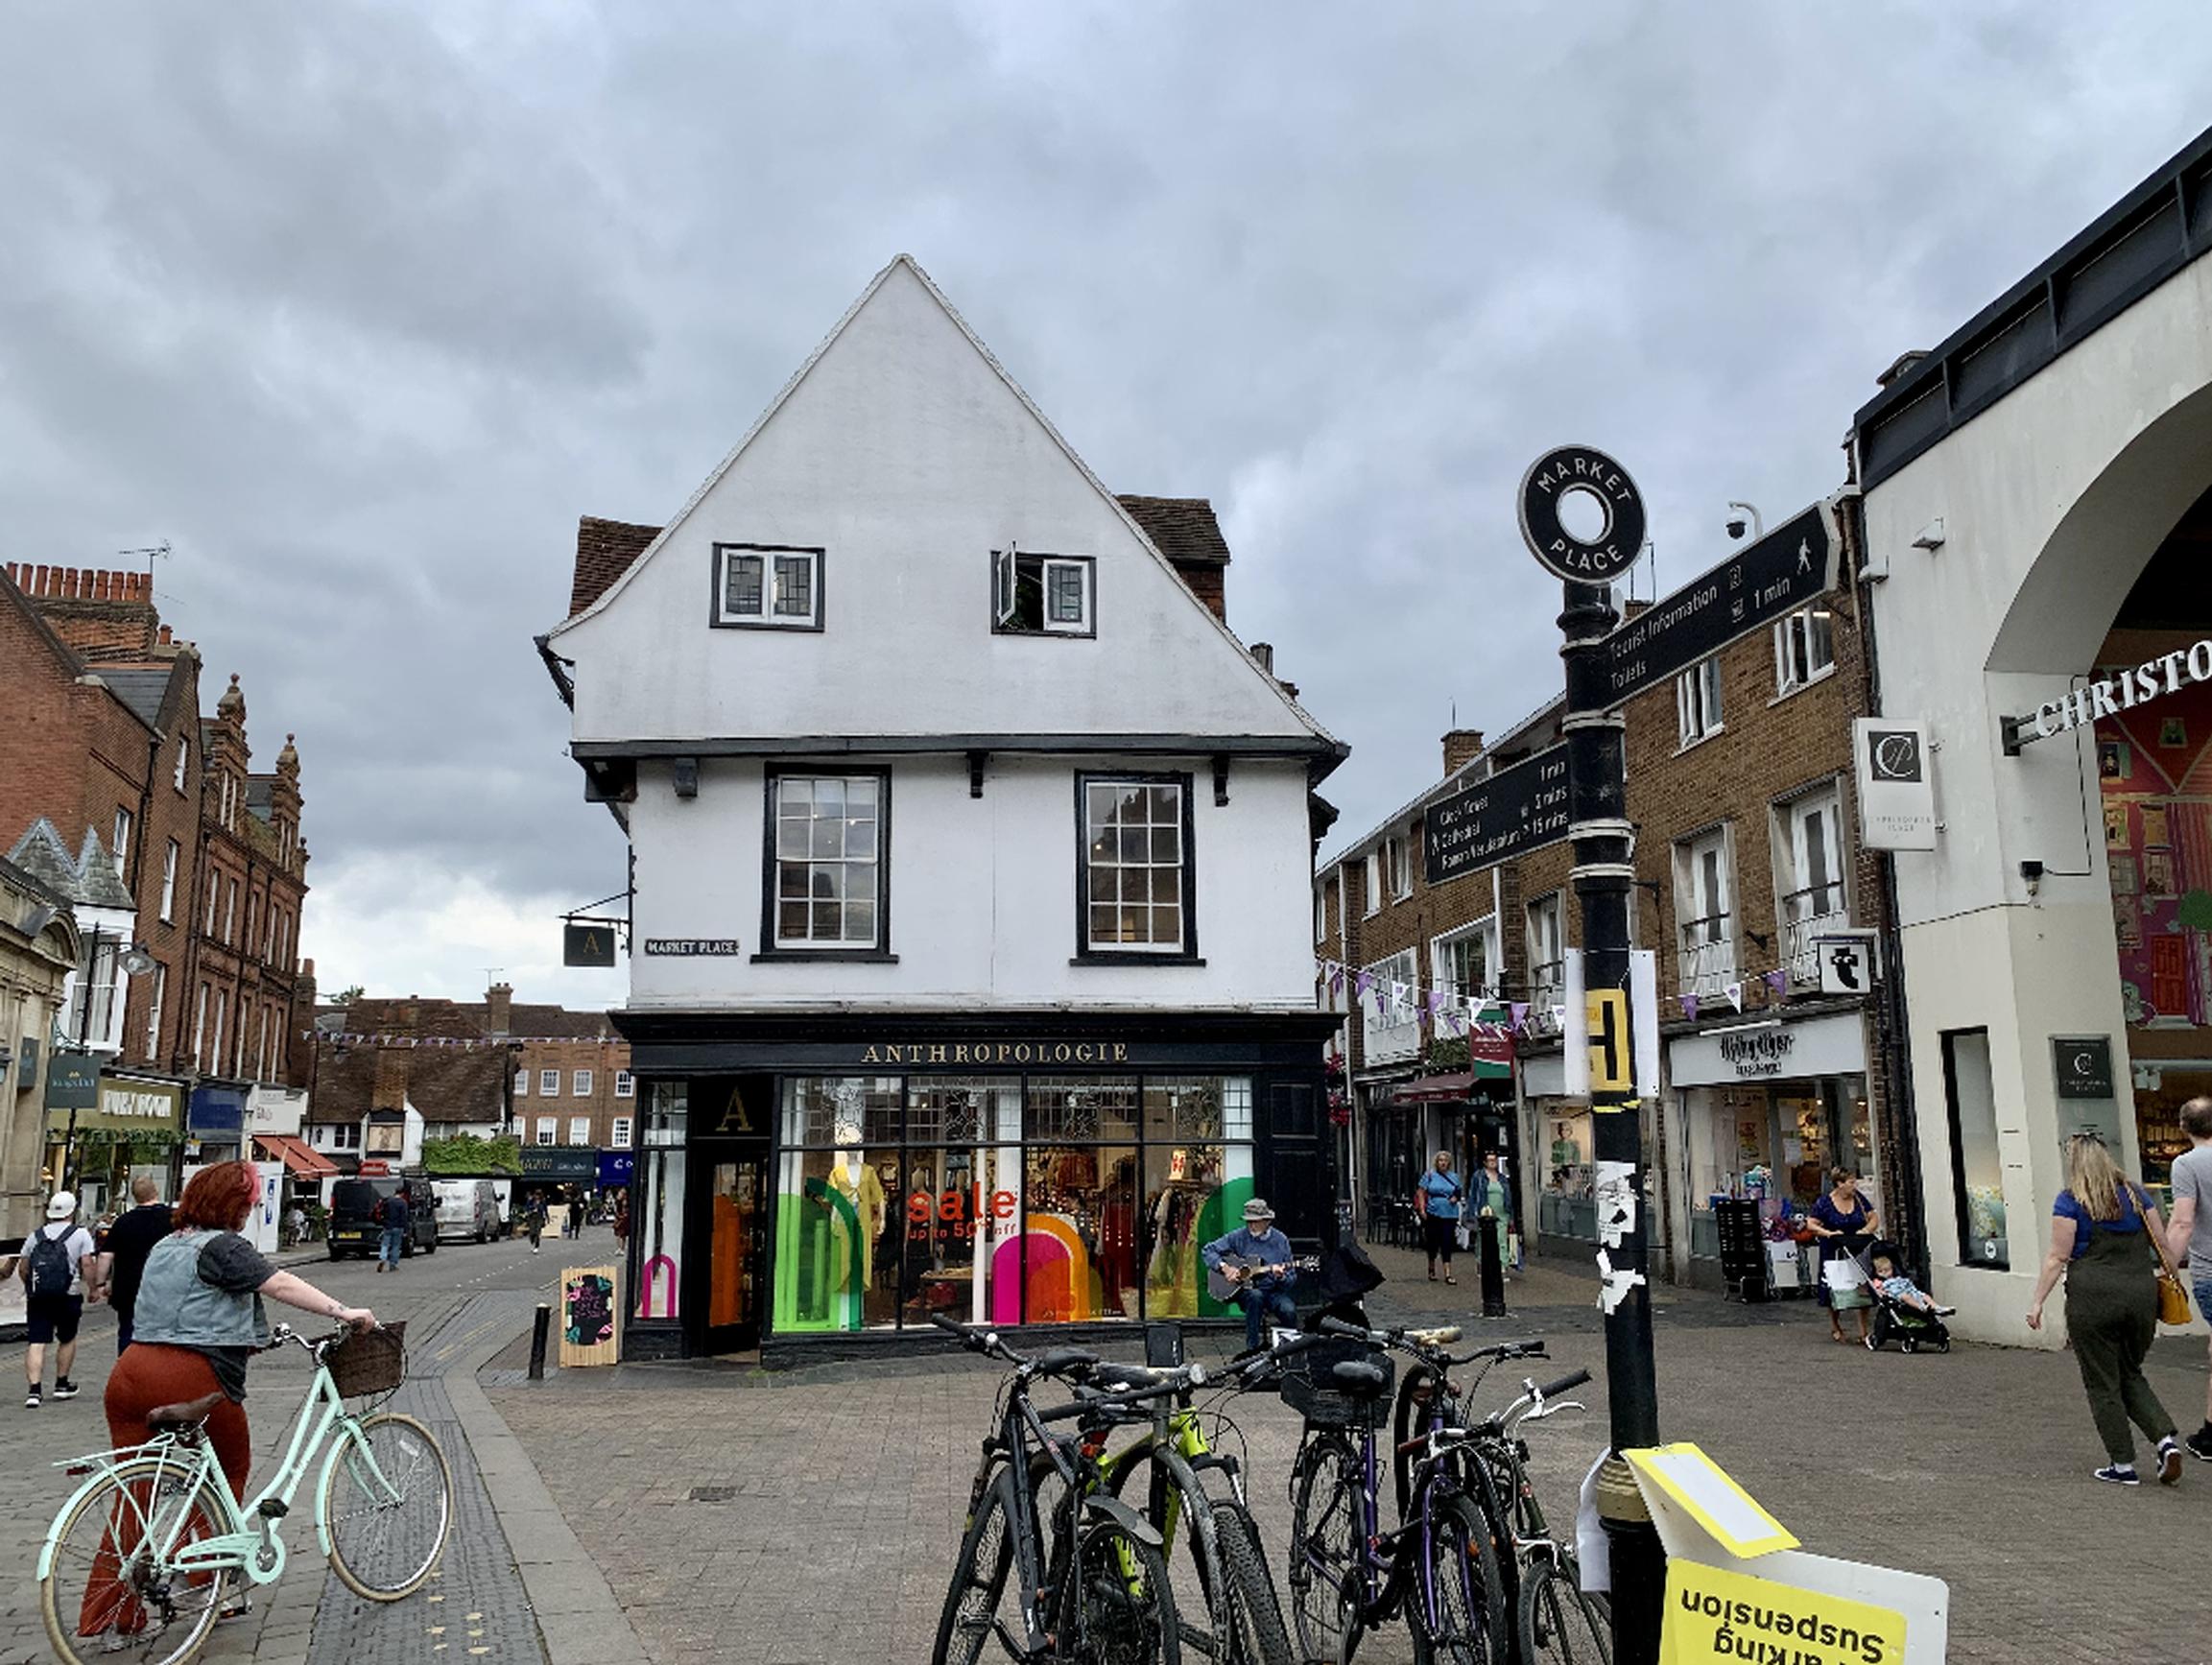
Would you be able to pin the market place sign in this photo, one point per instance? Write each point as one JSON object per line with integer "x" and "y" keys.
{"x": 1515, "y": 810}
{"x": 1791, "y": 567}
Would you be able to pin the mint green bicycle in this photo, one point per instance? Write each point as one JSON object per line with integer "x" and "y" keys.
{"x": 149, "y": 1552}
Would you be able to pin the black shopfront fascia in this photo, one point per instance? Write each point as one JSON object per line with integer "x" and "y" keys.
{"x": 744, "y": 1058}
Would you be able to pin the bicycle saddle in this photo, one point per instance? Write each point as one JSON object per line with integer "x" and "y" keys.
{"x": 183, "y": 1415}
{"x": 1358, "y": 1376}
{"x": 1061, "y": 1360}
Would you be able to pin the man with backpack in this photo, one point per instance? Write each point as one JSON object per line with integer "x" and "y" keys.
{"x": 56, "y": 1266}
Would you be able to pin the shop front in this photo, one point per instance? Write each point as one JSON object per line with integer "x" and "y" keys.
{"x": 827, "y": 1182}
{"x": 1767, "y": 1109}
{"x": 133, "y": 1128}
{"x": 216, "y": 1121}
{"x": 1559, "y": 1136}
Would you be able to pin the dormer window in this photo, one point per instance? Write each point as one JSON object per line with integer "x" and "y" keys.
{"x": 766, "y": 586}
{"x": 1042, "y": 595}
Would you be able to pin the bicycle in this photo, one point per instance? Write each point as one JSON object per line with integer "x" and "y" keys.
{"x": 1089, "y": 1581}
{"x": 144, "y": 1554}
{"x": 1227, "y": 1580}
{"x": 1553, "y": 1619}
{"x": 1347, "y": 1576}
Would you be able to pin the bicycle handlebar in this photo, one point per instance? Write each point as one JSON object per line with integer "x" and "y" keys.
{"x": 1566, "y": 1383}
{"x": 1430, "y": 1344}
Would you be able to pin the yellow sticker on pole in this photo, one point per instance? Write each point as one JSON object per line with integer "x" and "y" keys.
{"x": 1612, "y": 1064}
{"x": 1715, "y": 1614}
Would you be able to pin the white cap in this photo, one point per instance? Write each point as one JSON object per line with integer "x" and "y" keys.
{"x": 62, "y": 1205}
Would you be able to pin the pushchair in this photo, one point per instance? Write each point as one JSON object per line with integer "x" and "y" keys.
{"x": 1911, "y": 1327}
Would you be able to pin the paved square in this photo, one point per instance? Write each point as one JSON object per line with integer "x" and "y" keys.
{"x": 840, "y": 1488}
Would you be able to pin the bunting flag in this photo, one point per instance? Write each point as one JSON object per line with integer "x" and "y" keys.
{"x": 1735, "y": 993}
{"x": 1690, "y": 1007}
{"x": 1518, "y": 1011}
{"x": 454, "y": 1042}
{"x": 1779, "y": 981}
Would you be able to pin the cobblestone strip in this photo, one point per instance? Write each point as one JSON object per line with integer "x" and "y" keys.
{"x": 475, "y": 1607}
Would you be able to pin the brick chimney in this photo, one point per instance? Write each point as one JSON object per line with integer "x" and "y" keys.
{"x": 391, "y": 1092}
{"x": 1461, "y": 747}
{"x": 499, "y": 1008}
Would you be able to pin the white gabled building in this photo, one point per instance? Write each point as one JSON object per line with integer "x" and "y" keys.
{"x": 970, "y": 958}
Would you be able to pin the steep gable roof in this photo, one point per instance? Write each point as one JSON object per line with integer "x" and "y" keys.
{"x": 1322, "y": 741}
{"x": 144, "y": 688}
{"x": 88, "y": 879}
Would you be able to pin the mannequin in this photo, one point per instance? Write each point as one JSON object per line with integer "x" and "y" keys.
{"x": 859, "y": 1185}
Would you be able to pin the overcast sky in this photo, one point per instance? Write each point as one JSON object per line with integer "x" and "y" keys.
{"x": 360, "y": 305}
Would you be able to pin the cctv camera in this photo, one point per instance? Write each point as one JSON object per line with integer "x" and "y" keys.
{"x": 1736, "y": 527}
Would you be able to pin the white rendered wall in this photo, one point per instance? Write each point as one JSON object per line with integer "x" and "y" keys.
{"x": 2052, "y": 503}
{"x": 981, "y": 893}
{"x": 905, "y": 456}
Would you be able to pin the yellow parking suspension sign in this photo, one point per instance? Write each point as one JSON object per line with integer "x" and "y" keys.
{"x": 1714, "y": 1614}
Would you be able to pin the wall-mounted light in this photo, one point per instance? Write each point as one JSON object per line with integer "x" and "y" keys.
{"x": 1931, "y": 537}
{"x": 687, "y": 770}
{"x": 2032, "y": 875}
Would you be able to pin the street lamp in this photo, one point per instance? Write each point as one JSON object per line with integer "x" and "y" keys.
{"x": 133, "y": 961}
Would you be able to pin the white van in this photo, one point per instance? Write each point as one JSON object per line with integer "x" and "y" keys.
{"x": 467, "y": 1210}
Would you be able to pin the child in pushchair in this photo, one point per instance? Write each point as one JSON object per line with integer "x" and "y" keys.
{"x": 1903, "y": 1311}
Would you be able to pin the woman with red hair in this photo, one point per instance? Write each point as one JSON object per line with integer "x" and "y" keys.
{"x": 199, "y": 1317}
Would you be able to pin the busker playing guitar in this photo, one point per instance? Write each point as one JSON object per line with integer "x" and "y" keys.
{"x": 1263, "y": 1274}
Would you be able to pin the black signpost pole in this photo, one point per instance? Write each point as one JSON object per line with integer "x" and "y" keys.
{"x": 1604, "y": 849}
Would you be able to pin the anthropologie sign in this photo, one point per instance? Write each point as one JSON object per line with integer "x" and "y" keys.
{"x": 1581, "y": 471}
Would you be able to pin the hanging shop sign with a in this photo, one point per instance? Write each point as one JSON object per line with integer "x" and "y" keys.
{"x": 587, "y": 942}
{"x": 1517, "y": 809}
{"x": 1896, "y": 789}
{"x": 1586, "y": 472}
{"x": 1792, "y": 566}
{"x": 72, "y": 1081}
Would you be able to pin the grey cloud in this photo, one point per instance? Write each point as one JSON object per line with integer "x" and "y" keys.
{"x": 363, "y": 304}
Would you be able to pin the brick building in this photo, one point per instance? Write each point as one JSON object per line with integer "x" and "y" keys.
{"x": 391, "y": 1073}
{"x": 185, "y": 870}
{"x": 1739, "y": 782}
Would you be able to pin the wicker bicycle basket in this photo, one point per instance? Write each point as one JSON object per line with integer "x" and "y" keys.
{"x": 1307, "y": 1387}
{"x": 368, "y": 1362}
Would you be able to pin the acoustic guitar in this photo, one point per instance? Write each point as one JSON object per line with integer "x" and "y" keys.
{"x": 1236, "y": 1270}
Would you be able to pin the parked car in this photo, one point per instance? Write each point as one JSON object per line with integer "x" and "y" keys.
{"x": 467, "y": 1210}
{"x": 354, "y": 1226}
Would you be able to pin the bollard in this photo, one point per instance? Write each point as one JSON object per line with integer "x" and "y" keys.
{"x": 537, "y": 1335}
{"x": 1493, "y": 1269}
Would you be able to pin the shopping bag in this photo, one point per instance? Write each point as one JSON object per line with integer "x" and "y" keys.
{"x": 1460, "y": 1235}
{"x": 1842, "y": 1274}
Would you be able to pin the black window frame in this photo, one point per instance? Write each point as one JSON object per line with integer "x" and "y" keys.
{"x": 1963, "y": 1212}
{"x": 719, "y": 618}
{"x": 1048, "y": 557}
{"x": 769, "y": 949}
{"x": 1084, "y": 953}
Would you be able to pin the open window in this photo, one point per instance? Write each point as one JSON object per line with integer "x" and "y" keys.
{"x": 1042, "y": 595}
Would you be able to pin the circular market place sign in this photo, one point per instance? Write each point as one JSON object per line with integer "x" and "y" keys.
{"x": 1581, "y": 482}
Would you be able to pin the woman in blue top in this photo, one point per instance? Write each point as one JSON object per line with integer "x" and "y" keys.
{"x": 1845, "y": 1224}
{"x": 1439, "y": 1198}
{"x": 2098, "y": 1246}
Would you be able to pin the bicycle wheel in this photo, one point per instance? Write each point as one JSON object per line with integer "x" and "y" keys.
{"x": 979, "y": 1578}
{"x": 1119, "y": 1607}
{"x": 107, "y": 1588}
{"x": 386, "y": 1519}
{"x": 1166, "y": 1492}
{"x": 1256, "y": 1634}
{"x": 1327, "y": 1540}
{"x": 1468, "y": 1625}
{"x": 1558, "y": 1622}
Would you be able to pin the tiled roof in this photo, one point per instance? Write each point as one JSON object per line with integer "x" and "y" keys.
{"x": 141, "y": 687}
{"x": 1183, "y": 529}
{"x": 604, "y": 550}
{"x": 446, "y": 1083}
{"x": 88, "y": 880}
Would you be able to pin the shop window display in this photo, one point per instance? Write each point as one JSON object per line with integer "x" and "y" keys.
{"x": 656, "y": 1235}
{"x": 1001, "y": 1201}
{"x": 1976, "y": 1167}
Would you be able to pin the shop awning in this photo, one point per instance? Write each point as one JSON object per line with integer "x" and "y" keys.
{"x": 297, "y": 1154}
{"x": 1448, "y": 1089}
